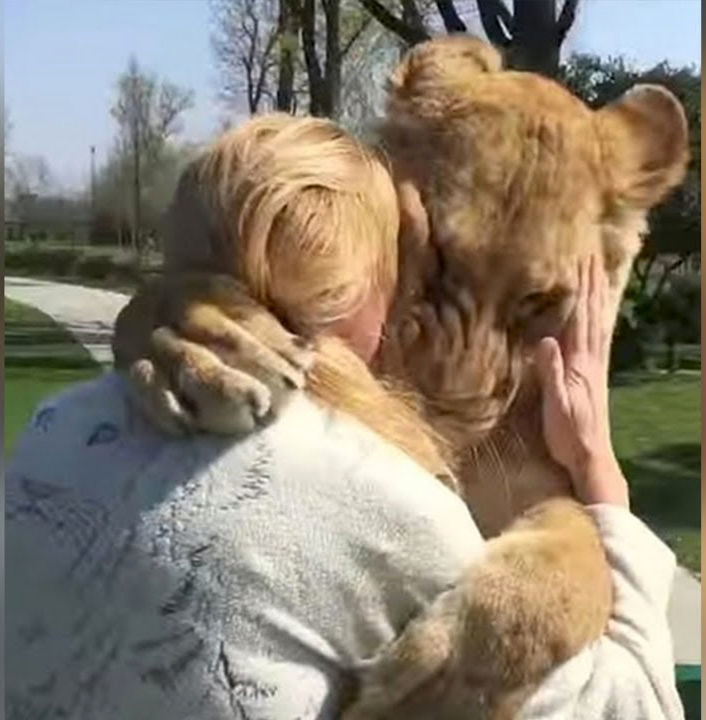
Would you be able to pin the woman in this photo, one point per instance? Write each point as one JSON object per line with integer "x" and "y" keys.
{"x": 150, "y": 577}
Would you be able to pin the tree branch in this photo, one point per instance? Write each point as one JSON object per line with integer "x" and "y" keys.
{"x": 566, "y": 19}
{"x": 332, "y": 67}
{"x": 494, "y": 15}
{"x": 666, "y": 272}
{"x": 452, "y": 21}
{"x": 313, "y": 69}
{"x": 265, "y": 67}
{"x": 355, "y": 35}
{"x": 644, "y": 275}
{"x": 408, "y": 33}
{"x": 411, "y": 14}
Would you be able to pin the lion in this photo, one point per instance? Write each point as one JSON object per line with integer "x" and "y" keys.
{"x": 517, "y": 179}
{"x": 505, "y": 180}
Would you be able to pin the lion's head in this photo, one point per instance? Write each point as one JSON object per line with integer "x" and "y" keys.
{"x": 517, "y": 179}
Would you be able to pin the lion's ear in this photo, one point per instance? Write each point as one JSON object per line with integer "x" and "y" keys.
{"x": 416, "y": 254}
{"x": 645, "y": 144}
{"x": 414, "y": 220}
{"x": 446, "y": 57}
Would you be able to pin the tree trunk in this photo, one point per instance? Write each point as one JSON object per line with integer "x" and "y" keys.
{"x": 412, "y": 18}
{"x": 313, "y": 69}
{"x": 324, "y": 86}
{"x": 532, "y": 34}
{"x": 535, "y": 41}
{"x": 332, "y": 76}
{"x": 672, "y": 356}
{"x": 288, "y": 35}
{"x": 136, "y": 199}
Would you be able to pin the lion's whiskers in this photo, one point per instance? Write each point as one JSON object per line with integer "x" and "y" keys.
{"x": 496, "y": 457}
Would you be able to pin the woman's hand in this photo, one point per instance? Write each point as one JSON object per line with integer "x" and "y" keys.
{"x": 574, "y": 378}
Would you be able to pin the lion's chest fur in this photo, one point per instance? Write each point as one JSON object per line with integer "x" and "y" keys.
{"x": 510, "y": 471}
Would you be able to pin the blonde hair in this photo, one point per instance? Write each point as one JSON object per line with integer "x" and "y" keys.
{"x": 310, "y": 215}
{"x": 307, "y": 217}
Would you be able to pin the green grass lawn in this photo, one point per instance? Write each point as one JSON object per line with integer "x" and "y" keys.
{"x": 41, "y": 358}
{"x": 657, "y": 433}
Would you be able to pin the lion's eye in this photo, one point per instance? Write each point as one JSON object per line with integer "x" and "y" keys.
{"x": 541, "y": 313}
{"x": 537, "y": 303}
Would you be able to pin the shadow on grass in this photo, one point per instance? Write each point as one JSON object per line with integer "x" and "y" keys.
{"x": 665, "y": 485}
{"x": 71, "y": 361}
{"x": 640, "y": 377}
{"x": 34, "y": 335}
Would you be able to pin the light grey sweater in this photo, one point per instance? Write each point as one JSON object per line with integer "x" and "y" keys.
{"x": 153, "y": 579}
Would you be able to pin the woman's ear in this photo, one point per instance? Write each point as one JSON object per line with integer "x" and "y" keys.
{"x": 645, "y": 145}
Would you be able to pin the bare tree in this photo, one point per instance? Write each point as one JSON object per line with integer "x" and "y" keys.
{"x": 244, "y": 43}
{"x": 530, "y": 35}
{"x": 6, "y": 150}
{"x": 113, "y": 185}
{"x": 28, "y": 175}
{"x": 288, "y": 29}
{"x": 27, "y": 178}
{"x": 368, "y": 63}
{"x": 274, "y": 52}
{"x": 7, "y": 129}
{"x": 338, "y": 28}
{"x": 148, "y": 112}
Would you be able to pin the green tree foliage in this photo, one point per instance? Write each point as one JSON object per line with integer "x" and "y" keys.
{"x": 679, "y": 315}
{"x": 675, "y": 226}
{"x": 662, "y": 302}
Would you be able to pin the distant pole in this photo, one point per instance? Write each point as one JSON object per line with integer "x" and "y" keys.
{"x": 93, "y": 176}
{"x": 93, "y": 191}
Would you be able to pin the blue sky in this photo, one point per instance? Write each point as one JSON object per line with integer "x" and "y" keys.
{"x": 62, "y": 58}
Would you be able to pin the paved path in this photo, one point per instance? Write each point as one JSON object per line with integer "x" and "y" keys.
{"x": 89, "y": 314}
{"x": 685, "y": 618}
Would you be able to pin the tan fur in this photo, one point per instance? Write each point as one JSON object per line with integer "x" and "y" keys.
{"x": 505, "y": 180}
{"x": 482, "y": 647}
{"x": 519, "y": 179}
{"x": 218, "y": 313}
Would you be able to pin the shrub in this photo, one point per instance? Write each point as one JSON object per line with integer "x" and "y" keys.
{"x": 95, "y": 267}
{"x": 126, "y": 270}
{"x": 41, "y": 260}
{"x": 104, "y": 266}
{"x": 28, "y": 259}
{"x": 660, "y": 331}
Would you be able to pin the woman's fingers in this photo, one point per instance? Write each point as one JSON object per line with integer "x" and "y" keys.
{"x": 585, "y": 333}
{"x": 577, "y": 330}
{"x": 550, "y": 367}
